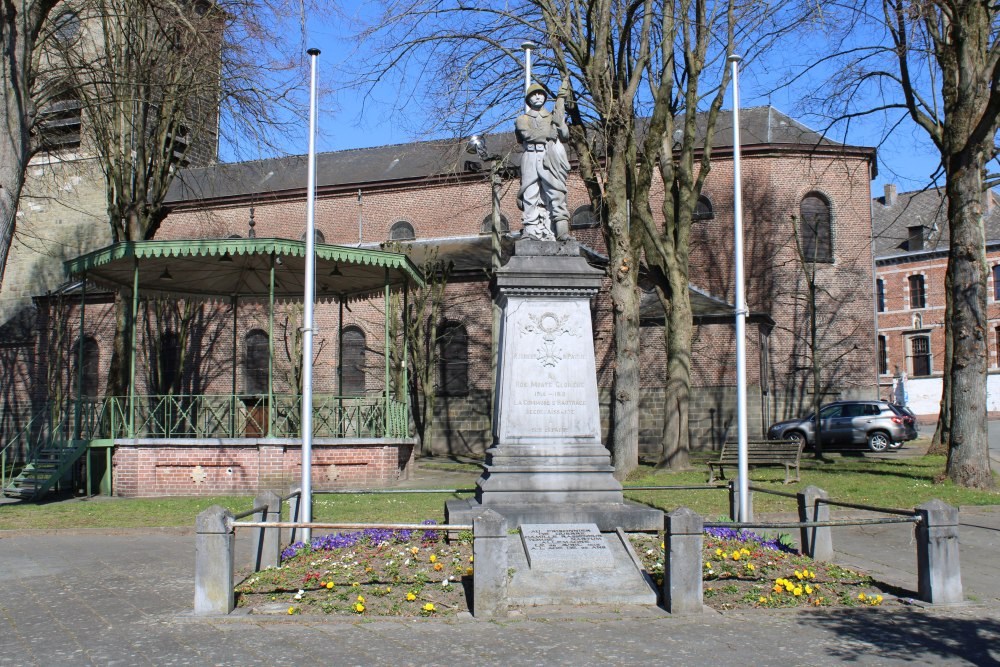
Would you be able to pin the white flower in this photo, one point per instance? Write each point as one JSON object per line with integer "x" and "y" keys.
{"x": 445, "y": 582}
{"x": 298, "y": 596}
{"x": 407, "y": 562}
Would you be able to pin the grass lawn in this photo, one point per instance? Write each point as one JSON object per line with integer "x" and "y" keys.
{"x": 887, "y": 482}
{"x": 899, "y": 482}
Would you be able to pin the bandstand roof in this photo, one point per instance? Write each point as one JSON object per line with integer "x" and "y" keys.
{"x": 213, "y": 269}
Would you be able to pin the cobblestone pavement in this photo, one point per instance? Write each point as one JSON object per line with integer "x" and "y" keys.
{"x": 124, "y": 598}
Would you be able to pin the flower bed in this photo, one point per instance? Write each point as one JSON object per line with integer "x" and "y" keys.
{"x": 745, "y": 570}
{"x": 367, "y": 573}
{"x": 416, "y": 573}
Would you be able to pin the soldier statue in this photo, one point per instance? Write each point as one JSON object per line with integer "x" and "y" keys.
{"x": 544, "y": 166}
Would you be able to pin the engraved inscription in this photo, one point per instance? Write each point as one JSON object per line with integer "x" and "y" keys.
{"x": 567, "y": 539}
{"x": 553, "y": 544}
{"x": 548, "y": 367}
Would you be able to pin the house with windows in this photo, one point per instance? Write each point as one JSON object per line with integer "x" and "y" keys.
{"x": 807, "y": 218}
{"x": 911, "y": 256}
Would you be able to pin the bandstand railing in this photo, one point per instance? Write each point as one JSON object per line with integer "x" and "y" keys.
{"x": 250, "y": 416}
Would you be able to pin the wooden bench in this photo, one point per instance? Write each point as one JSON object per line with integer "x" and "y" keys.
{"x": 759, "y": 453}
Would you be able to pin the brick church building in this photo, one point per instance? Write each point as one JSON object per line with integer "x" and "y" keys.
{"x": 435, "y": 195}
{"x": 807, "y": 213}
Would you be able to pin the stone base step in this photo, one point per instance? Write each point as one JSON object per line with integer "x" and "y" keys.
{"x": 608, "y": 516}
{"x": 624, "y": 583}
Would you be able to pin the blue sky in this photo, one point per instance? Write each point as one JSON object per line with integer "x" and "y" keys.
{"x": 906, "y": 157}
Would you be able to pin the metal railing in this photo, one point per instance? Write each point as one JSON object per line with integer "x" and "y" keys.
{"x": 243, "y": 416}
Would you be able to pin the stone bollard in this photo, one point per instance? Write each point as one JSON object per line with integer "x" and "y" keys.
{"x": 734, "y": 502}
{"x": 939, "y": 577}
{"x": 489, "y": 551}
{"x": 682, "y": 587}
{"x": 213, "y": 562}
{"x": 267, "y": 541}
{"x": 815, "y": 542}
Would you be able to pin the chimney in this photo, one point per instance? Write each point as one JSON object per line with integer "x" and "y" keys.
{"x": 890, "y": 194}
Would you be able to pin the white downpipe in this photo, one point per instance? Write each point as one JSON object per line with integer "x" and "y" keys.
{"x": 307, "y": 311}
{"x": 741, "y": 306}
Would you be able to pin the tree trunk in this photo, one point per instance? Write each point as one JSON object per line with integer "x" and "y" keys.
{"x": 677, "y": 332}
{"x": 968, "y": 447}
{"x": 625, "y": 384}
{"x": 939, "y": 443}
{"x": 12, "y": 164}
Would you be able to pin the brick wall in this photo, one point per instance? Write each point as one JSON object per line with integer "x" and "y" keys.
{"x": 171, "y": 469}
{"x": 901, "y": 321}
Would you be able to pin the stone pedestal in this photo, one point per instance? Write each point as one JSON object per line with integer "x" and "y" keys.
{"x": 547, "y": 463}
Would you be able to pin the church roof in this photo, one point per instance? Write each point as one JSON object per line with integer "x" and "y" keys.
{"x": 443, "y": 159}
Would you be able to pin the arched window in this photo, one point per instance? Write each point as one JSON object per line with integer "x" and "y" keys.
{"x": 402, "y": 231}
{"x": 815, "y": 234}
{"x": 453, "y": 359}
{"x": 66, "y": 27}
{"x": 91, "y": 366}
{"x": 170, "y": 362}
{"x": 583, "y": 217}
{"x": 488, "y": 224}
{"x": 317, "y": 237}
{"x": 352, "y": 362}
{"x": 703, "y": 209}
{"x": 255, "y": 362}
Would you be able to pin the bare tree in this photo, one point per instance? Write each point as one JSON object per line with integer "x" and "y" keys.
{"x": 619, "y": 60}
{"x": 157, "y": 82}
{"x": 21, "y": 26}
{"x": 939, "y": 65}
{"x": 420, "y": 323}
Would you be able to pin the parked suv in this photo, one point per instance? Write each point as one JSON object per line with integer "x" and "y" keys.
{"x": 878, "y": 424}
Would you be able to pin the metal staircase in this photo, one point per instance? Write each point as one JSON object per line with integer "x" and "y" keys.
{"x": 45, "y": 468}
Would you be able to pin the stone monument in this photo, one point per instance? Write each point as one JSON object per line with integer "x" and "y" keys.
{"x": 547, "y": 464}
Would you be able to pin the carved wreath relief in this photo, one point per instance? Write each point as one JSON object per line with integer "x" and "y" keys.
{"x": 551, "y": 327}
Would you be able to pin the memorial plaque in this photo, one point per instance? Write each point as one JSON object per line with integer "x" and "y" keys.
{"x": 549, "y": 391}
{"x": 561, "y": 546}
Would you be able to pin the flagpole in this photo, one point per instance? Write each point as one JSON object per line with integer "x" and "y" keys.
{"x": 741, "y": 307}
{"x": 307, "y": 311}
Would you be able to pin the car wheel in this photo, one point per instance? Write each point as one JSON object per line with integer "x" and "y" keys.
{"x": 797, "y": 437}
{"x": 878, "y": 441}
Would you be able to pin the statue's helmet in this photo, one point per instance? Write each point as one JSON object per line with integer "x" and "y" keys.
{"x": 535, "y": 88}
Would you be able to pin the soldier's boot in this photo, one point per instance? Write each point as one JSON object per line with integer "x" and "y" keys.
{"x": 562, "y": 230}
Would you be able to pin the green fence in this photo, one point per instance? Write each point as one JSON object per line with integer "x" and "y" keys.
{"x": 229, "y": 416}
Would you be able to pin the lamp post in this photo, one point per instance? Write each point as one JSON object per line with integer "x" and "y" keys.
{"x": 477, "y": 146}
{"x": 741, "y": 308}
